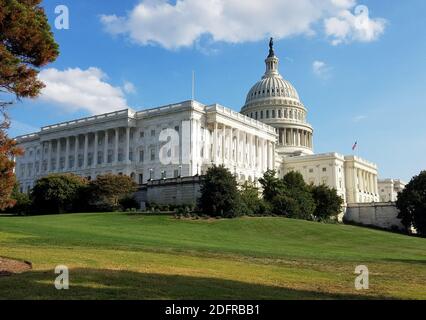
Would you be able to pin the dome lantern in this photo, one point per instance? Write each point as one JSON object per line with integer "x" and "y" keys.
{"x": 271, "y": 62}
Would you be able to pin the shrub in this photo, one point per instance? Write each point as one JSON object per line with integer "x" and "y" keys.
{"x": 271, "y": 185}
{"x": 57, "y": 193}
{"x": 289, "y": 196}
{"x": 219, "y": 193}
{"x": 108, "y": 190}
{"x": 328, "y": 202}
{"x": 22, "y": 201}
{"x": 412, "y": 204}
{"x": 251, "y": 203}
{"x": 129, "y": 203}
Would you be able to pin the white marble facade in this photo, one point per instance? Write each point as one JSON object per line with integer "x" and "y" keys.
{"x": 389, "y": 189}
{"x": 184, "y": 139}
{"x": 136, "y": 143}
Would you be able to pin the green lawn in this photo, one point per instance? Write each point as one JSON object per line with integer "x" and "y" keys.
{"x": 120, "y": 256}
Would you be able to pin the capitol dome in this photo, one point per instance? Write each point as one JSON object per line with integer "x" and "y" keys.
{"x": 272, "y": 86}
{"x": 274, "y": 101}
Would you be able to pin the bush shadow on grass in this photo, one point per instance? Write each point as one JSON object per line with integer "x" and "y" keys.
{"x": 98, "y": 284}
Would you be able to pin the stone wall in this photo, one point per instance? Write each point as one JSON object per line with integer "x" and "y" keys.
{"x": 170, "y": 191}
{"x": 379, "y": 214}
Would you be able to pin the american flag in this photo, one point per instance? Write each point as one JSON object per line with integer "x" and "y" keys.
{"x": 355, "y": 145}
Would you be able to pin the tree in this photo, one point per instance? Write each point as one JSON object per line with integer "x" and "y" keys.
{"x": 8, "y": 150}
{"x": 302, "y": 205}
{"x": 22, "y": 204}
{"x": 328, "y": 202}
{"x": 251, "y": 203}
{"x": 219, "y": 193}
{"x": 412, "y": 204}
{"x": 26, "y": 43}
{"x": 108, "y": 190}
{"x": 289, "y": 196}
{"x": 271, "y": 185}
{"x": 58, "y": 193}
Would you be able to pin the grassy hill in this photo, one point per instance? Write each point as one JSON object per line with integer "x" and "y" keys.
{"x": 120, "y": 256}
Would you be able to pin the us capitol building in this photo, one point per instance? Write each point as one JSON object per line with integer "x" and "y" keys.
{"x": 270, "y": 132}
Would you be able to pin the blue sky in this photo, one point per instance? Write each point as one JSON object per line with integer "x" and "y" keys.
{"x": 366, "y": 85}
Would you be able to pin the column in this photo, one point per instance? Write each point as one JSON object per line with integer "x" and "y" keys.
{"x": 76, "y": 152}
{"x": 214, "y": 155}
{"x": 67, "y": 154}
{"x": 237, "y": 146}
{"x": 244, "y": 149}
{"x": 223, "y": 143}
{"x": 95, "y": 150}
{"x": 268, "y": 148}
{"x": 265, "y": 153}
{"x": 253, "y": 151}
{"x": 86, "y": 150}
{"x": 259, "y": 158}
{"x": 58, "y": 154}
{"x": 116, "y": 146}
{"x": 230, "y": 143}
{"x": 40, "y": 169}
{"x": 105, "y": 147}
{"x": 376, "y": 184}
{"x": 127, "y": 148}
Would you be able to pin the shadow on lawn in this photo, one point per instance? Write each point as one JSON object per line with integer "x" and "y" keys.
{"x": 108, "y": 284}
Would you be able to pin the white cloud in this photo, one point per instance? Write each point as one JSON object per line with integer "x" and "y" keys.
{"x": 359, "y": 118}
{"x": 76, "y": 89}
{"x": 234, "y": 21}
{"x": 321, "y": 69}
{"x": 358, "y": 26}
{"x": 129, "y": 87}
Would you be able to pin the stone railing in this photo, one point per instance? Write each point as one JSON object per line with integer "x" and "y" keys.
{"x": 239, "y": 116}
{"x": 87, "y": 119}
{"x": 27, "y": 137}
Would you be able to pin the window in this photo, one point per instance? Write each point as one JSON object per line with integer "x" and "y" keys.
{"x": 261, "y": 114}
{"x": 279, "y": 114}
{"x": 311, "y": 170}
{"x": 141, "y": 134}
{"x": 152, "y": 154}
{"x": 141, "y": 156}
{"x": 152, "y": 133}
{"x": 177, "y": 129}
{"x": 273, "y": 113}
{"x": 176, "y": 173}
{"x": 324, "y": 169}
{"x": 267, "y": 114}
{"x": 141, "y": 178}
